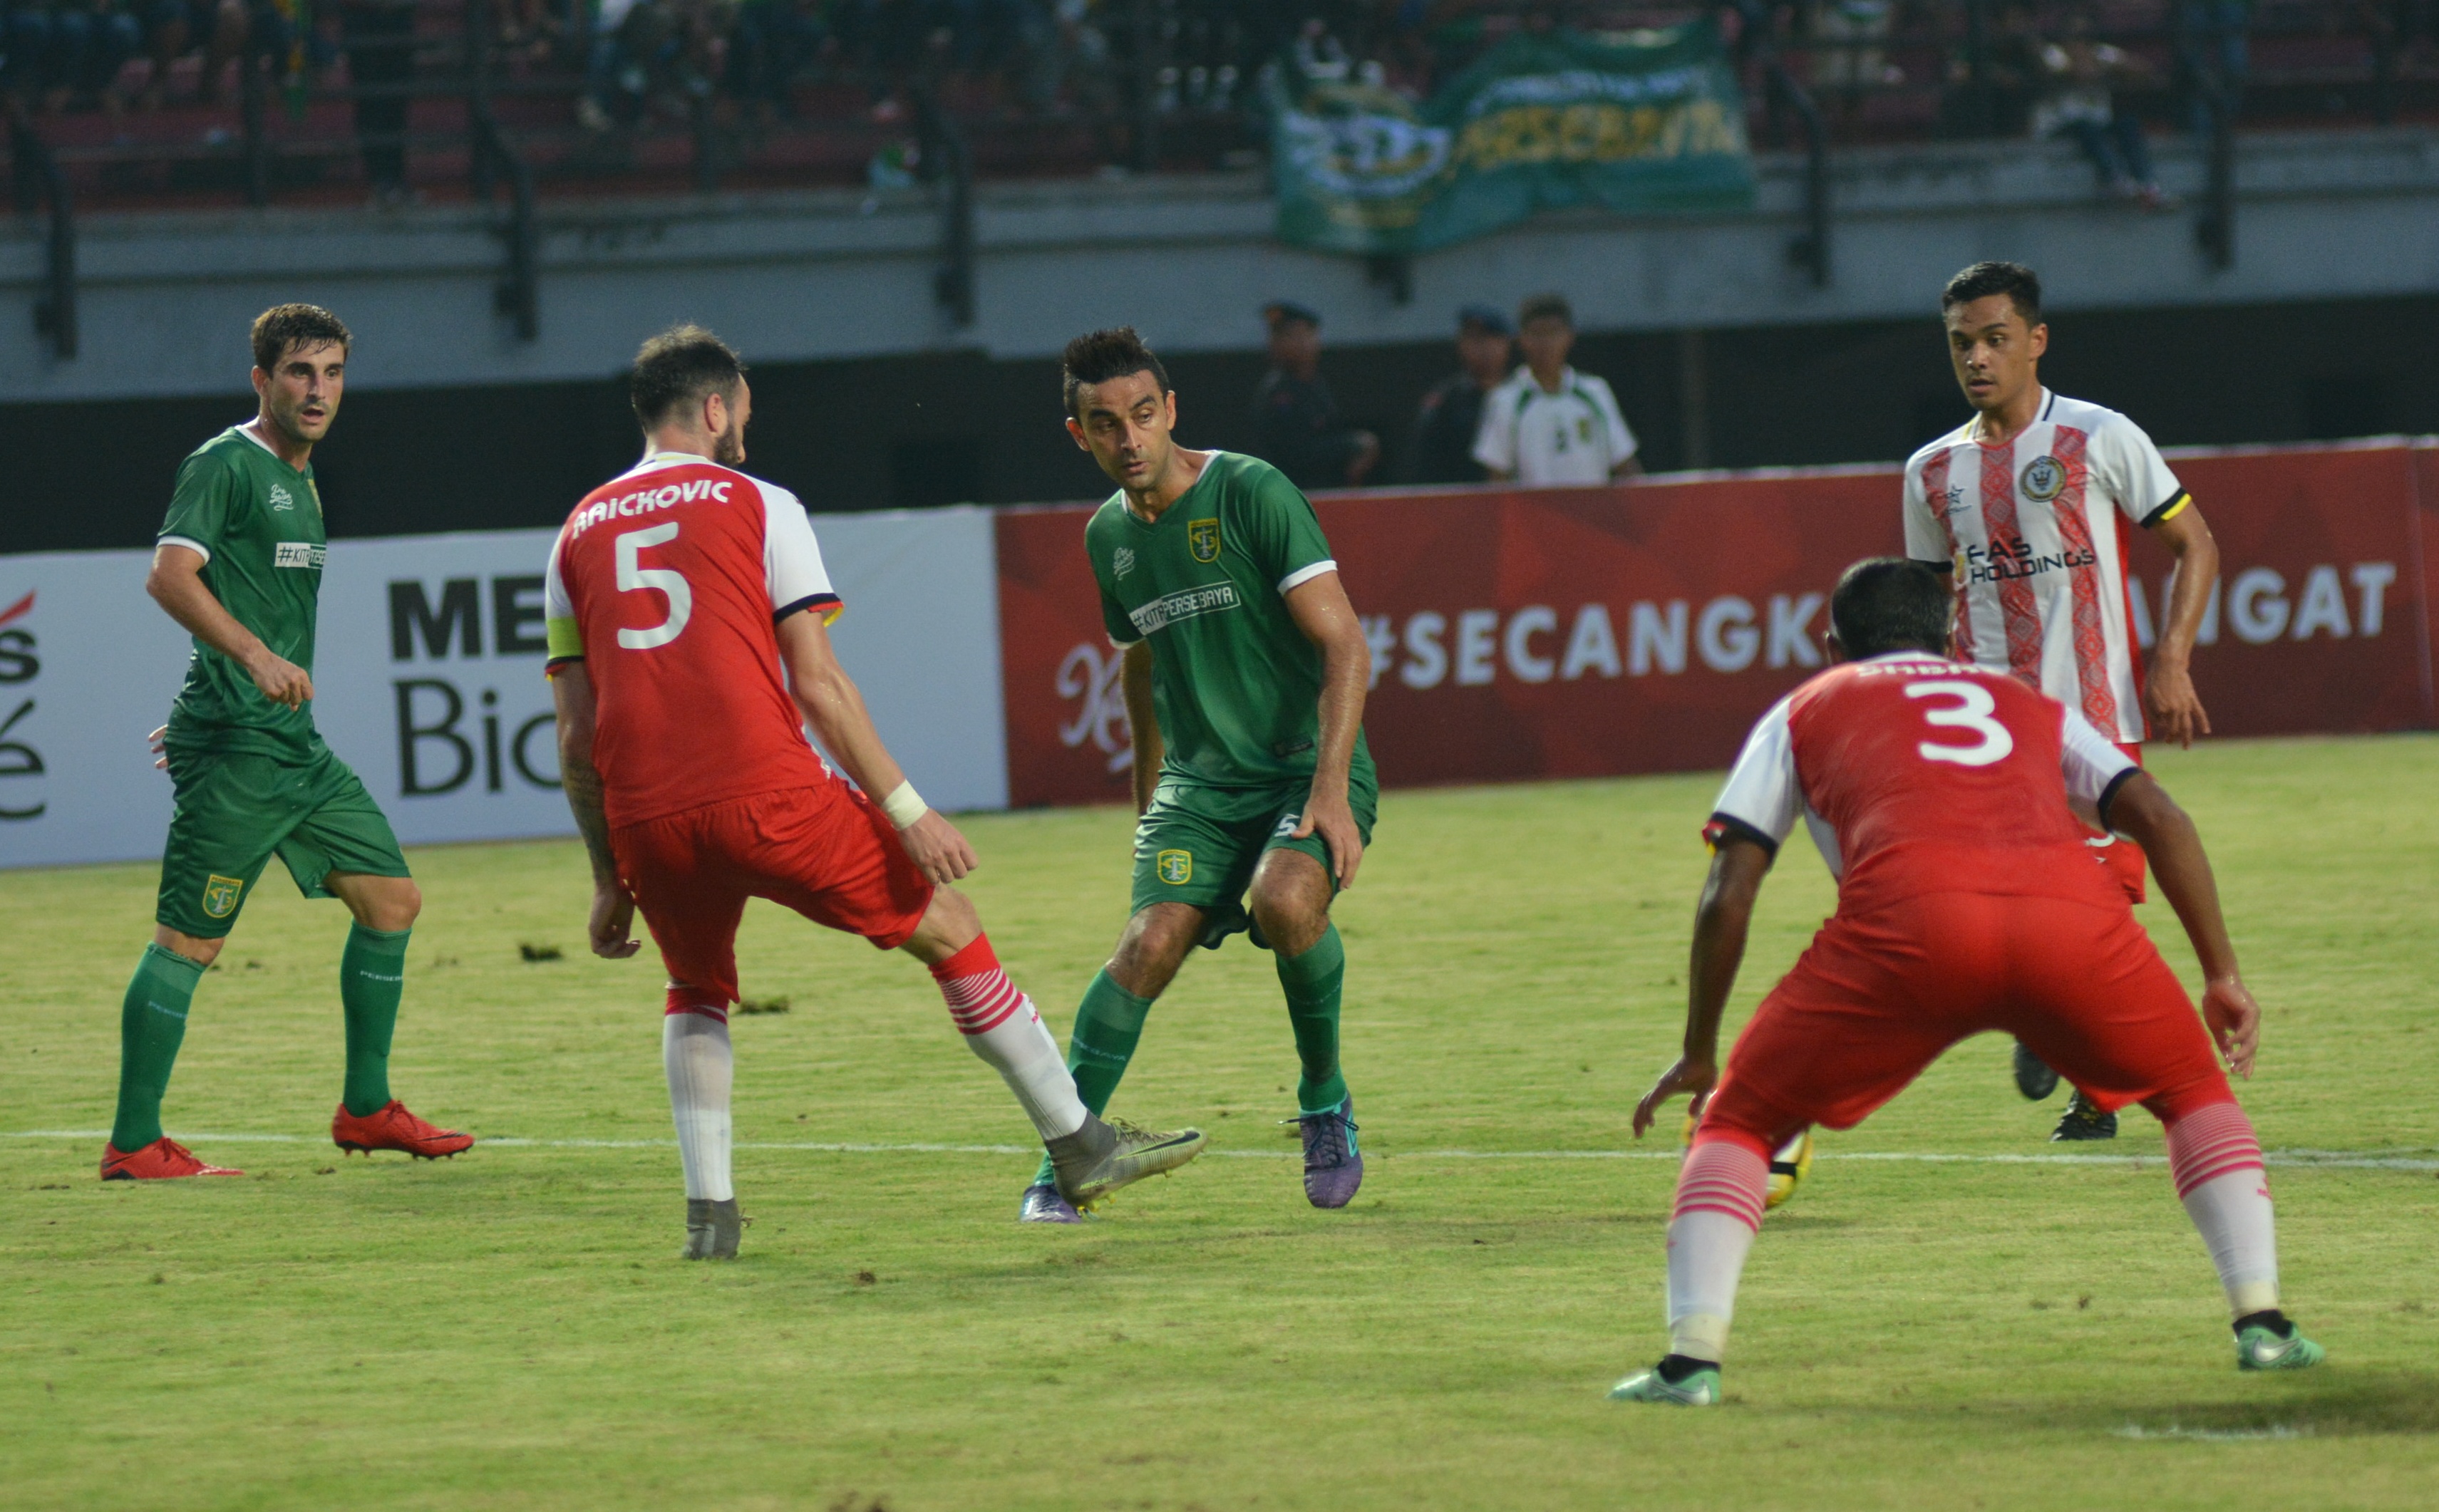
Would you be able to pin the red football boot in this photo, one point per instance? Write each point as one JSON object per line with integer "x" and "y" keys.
{"x": 393, "y": 1128}
{"x": 164, "y": 1158}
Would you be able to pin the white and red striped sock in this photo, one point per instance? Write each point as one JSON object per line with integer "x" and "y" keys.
{"x": 701, "y": 1065}
{"x": 1000, "y": 1026}
{"x": 2216, "y": 1162}
{"x": 1720, "y": 1191}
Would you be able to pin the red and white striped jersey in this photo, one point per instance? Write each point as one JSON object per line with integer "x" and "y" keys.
{"x": 2030, "y": 528}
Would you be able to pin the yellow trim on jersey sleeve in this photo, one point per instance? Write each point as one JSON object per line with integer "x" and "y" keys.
{"x": 830, "y": 616}
{"x": 565, "y": 639}
{"x": 2175, "y": 509}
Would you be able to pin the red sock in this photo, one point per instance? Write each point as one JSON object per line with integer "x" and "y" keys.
{"x": 980, "y": 996}
{"x": 2211, "y": 1142}
{"x": 695, "y": 1000}
{"x": 1724, "y": 1176}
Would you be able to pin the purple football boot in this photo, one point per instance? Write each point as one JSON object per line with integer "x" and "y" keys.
{"x": 1042, "y": 1205}
{"x": 1334, "y": 1168}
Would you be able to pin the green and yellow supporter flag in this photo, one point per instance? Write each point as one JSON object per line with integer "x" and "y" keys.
{"x": 1639, "y": 122}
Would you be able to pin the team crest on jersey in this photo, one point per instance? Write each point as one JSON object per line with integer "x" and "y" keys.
{"x": 1176, "y": 867}
{"x": 2042, "y": 477}
{"x": 1203, "y": 539}
{"x": 281, "y": 498}
{"x": 1122, "y": 562}
{"x": 221, "y": 895}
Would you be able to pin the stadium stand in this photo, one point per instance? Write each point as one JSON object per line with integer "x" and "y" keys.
{"x": 185, "y": 104}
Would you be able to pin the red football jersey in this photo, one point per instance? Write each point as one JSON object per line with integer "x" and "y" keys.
{"x": 670, "y": 581}
{"x": 1918, "y": 775}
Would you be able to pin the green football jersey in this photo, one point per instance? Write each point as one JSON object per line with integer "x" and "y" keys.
{"x": 1235, "y": 685}
{"x": 258, "y": 523}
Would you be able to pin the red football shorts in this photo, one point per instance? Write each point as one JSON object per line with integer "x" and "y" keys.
{"x": 1878, "y": 998}
{"x": 826, "y": 851}
{"x": 2121, "y": 857}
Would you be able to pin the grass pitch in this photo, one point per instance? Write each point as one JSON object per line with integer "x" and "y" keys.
{"x": 513, "y": 1329}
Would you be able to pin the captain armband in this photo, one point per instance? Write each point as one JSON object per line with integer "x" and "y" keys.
{"x": 1724, "y": 828}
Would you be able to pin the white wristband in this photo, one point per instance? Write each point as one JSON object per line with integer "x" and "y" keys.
{"x": 905, "y": 806}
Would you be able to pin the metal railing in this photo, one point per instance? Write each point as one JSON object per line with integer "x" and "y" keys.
{"x": 36, "y": 181}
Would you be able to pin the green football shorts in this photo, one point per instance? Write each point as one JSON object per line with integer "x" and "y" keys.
{"x": 235, "y": 808}
{"x": 1199, "y": 844}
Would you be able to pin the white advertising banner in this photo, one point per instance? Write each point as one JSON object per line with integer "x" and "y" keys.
{"x": 428, "y": 679}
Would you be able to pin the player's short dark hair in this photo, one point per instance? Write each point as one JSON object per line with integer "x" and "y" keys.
{"x": 1885, "y": 604}
{"x": 2021, "y": 286}
{"x": 1097, "y": 356}
{"x": 1546, "y": 307}
{"x": 678, "y": 367}
{"x": 283, "y": 328}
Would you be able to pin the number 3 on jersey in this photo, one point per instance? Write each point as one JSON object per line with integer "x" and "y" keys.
{"x": 635, "y": 578}
{"x": 1972, "y": 711}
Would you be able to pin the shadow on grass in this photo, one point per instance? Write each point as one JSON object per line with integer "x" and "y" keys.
{"x": 2329, "y": 1402}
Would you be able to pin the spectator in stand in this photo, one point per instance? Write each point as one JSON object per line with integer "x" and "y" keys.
{"x": 91, "y": 41}
{"x": 2075, "y": 102}
{"x": 179, "y": 28}
{"x": 1549, "y": 425}
{"x": 1296, "y": 428}
{"x": 774, "y": 42}
{"x": 1441, "y": 448}
{"x": 632, "y": 39}
{"x": 1850, "y": 49}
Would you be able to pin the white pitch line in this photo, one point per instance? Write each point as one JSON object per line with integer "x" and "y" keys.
{"x": 2214, "y": 1435}
{"x": 2332, "y": 1158}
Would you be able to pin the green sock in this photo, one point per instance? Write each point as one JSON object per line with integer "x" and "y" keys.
{"x": 1311, "y": 982}
{"x": 1108, "y": 1024}
{"x": 152, "y": 1025}
{"x": 372, "y": 977}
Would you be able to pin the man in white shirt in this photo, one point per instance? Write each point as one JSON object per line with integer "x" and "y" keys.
{"x": 1549, "y": 425}
{"x": 2027, "y": 507}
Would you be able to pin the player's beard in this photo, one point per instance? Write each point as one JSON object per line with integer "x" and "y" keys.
{"x": 728, "y": 447}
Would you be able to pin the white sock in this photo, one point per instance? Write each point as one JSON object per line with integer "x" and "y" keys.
{"x": 1720, "y": 1196}
{"x": 1000, "y": 1024}
{"x": 2215, "y": 1158}
{"x": 702, "y": 1066}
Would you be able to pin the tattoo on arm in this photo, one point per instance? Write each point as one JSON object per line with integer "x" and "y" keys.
{"x": 583, "y": 785}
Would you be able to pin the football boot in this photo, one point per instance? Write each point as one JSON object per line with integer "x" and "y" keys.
{"x": 1697, "y": 1384}
{"x": 713, "y": 1229}
{"x": 1333, "y": 1167}
{"x": 2033, "y": 1077}
{"x": 391, "y": 1127}
{"x": 1041, "y": 1204}
{"x": 1103, "y": 1156}
{"x": 163, "y": 1159}
{"x": 2268, "y": 1341}
{"x": 2083, "y": 1121}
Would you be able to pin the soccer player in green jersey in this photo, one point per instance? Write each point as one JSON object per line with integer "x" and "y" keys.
{"x": 1244, "y": 672}
{"x": 238, "y": 564}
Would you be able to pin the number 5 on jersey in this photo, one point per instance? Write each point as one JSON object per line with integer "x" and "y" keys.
{"x": 635, "y": 578}
{"x": 1972, "y": 711}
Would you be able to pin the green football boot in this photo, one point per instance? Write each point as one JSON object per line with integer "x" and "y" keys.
{"x": 1697, "y": 1386}
{"x": 2266, "y": 1341}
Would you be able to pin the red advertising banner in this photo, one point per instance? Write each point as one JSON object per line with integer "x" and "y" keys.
{"x": 1597, "y": 631}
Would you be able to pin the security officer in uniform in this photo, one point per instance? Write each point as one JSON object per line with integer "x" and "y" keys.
{"x": 1440, "y": 449}
{"x": 1296, "y": 426}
